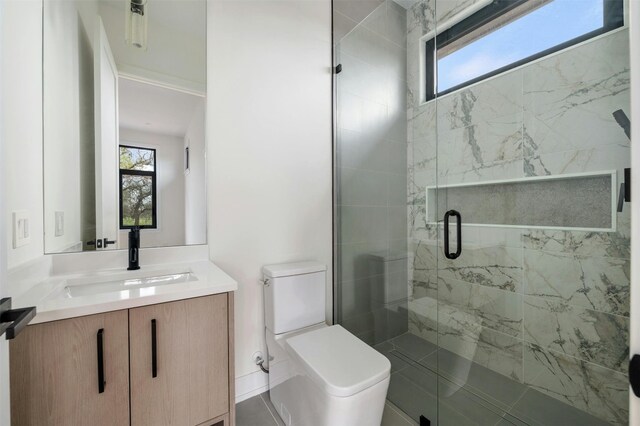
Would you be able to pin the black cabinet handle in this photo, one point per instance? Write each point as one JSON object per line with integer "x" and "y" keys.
{"x": 458, "y": 252}
{"x": 101, "y": 381}
{"x": 154, "y": 350}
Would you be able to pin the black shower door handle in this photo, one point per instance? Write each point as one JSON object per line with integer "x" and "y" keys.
{"x": 458, "y": 252}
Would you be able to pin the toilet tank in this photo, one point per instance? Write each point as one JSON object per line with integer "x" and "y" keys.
{"x": 294, "y": 295}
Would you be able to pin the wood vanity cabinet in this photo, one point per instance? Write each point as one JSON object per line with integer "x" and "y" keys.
{"x": 54, "y": 372}
{"x": 191, "y": 379}
{"x": 164, "y": 364}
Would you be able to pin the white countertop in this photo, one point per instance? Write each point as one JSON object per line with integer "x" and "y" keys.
{"x": 52, "y": 304}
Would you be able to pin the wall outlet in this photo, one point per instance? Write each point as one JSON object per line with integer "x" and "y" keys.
{"x": 59, "y": 224}
{"x": 21, "y": 231}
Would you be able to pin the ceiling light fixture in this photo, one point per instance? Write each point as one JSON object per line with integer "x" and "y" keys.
{"x": 136, "y": 23}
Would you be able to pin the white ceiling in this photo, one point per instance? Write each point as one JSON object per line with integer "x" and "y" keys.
{"x": 155, "y": 109}
{"x": 188, "y": 16}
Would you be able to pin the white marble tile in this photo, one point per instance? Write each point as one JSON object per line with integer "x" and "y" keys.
{"x": 579, "y": 332}
{"x": 491, "y": 266}
{"x": 596, "y": 60}
{"x": 421, "y": 18}
{"x": 423, "y": 124}
{"x": 468, "y": 173}
{"x": 611, "y": 157}
{"x": 598, "y": 244}
{"x": 422, "y": 315}
{"x": 497, "y": 309}
{"x": 425, "y": 258}
{"x": 462, "y": 333}
{"x": 576, "y": 128}
{"x": 481, "y": 144}
{"x": 497, "y": 97}
{"x": 588, "y": 387}
{"x": 597, "y": 283}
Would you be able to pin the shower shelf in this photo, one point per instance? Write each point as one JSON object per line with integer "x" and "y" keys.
{"x": 577, "y": 201}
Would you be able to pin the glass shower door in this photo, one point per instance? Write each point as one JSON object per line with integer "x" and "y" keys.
{"x": 532, "y": 268}
{"x": 525, "y": 318}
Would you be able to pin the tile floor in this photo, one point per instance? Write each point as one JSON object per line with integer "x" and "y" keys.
{"x": 258, "y": 411}
{"x": 470, "y": 394}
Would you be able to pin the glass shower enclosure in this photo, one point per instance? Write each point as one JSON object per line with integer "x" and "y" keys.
{"x": 482, "y": 238}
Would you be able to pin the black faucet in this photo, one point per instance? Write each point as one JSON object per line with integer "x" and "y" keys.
{"x": 134, "y": 248}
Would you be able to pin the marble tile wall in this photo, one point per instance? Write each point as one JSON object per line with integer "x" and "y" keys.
{"x": 545, "y": 308}
{"x": 372, "y": 170}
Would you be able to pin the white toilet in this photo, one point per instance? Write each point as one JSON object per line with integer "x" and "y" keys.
{"x": 319, "y": 375}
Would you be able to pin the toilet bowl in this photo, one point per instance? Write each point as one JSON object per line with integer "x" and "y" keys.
{"x": 319, "y": 375}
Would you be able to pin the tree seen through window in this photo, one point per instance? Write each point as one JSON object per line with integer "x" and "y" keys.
{"x": 137, "y": 187}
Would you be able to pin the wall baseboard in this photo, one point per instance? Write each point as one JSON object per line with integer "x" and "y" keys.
{"x": 250, "y": 385}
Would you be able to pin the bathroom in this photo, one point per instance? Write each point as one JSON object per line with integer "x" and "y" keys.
{"x": 316, "y": 212}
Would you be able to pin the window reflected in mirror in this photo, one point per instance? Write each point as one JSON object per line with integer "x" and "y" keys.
{"x": 137, "y": 187}
{"x": 123, "y": 102}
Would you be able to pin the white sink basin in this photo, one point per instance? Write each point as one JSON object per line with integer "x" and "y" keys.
{"x": 120, "y": 282}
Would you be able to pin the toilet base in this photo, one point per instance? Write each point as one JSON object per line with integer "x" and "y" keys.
{"x": 301, "y": 402}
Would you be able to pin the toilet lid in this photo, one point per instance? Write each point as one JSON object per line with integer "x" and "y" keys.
{"x": 337, "y": 361}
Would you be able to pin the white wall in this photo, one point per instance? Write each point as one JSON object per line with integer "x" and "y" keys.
{"x": 169, "y": 189}
{"x": 22, "y": 121}
{"x": 269, "y": 147}
{"x": 68, "y": 116}
{"x": 195, "y": 192}
{"x": 20, "y": 138}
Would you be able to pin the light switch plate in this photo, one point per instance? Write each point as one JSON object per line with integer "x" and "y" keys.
{"x": 59, "y": 224}
{"x": 21, "y": 231}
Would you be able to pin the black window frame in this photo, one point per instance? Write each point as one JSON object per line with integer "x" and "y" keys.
{"x": 154, "y": 198}
{"x": 613, "y": 18}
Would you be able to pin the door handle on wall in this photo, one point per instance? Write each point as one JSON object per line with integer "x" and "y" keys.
{"x": 458, "y": 252}
{"x": 13, "y": 321}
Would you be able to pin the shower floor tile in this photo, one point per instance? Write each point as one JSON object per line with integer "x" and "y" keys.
{"x": 413, "y": 346}
{"x": 496, "y": 388}
{"x": 466, "y": 393}
{"x": 537, "y": 408}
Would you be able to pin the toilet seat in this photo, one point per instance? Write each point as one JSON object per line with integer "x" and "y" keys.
{"x": 337, "y": 361}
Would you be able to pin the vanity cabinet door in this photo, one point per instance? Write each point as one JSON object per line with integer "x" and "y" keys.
{"x": 187, "y": 341}
{"x": 55, "y": 372}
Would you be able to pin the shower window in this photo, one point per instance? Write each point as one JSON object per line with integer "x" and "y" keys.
{"x": 508, "y": 33}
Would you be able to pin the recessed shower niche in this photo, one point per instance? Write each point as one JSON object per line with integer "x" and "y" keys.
{"x": 582, "y": 201}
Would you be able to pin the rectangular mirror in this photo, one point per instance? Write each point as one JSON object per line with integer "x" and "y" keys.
{"x": 124, "y": 85}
